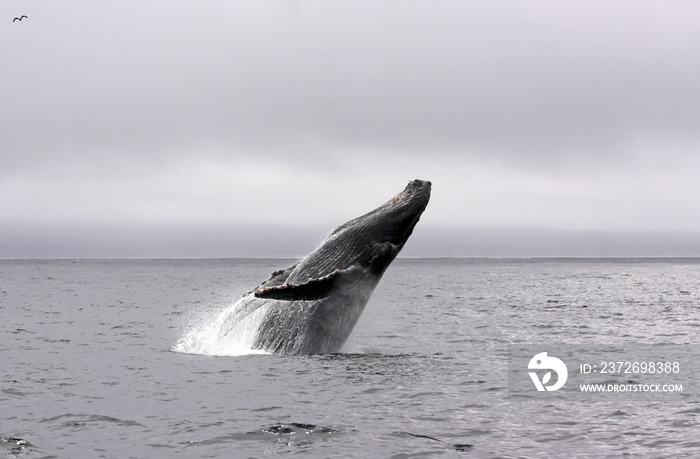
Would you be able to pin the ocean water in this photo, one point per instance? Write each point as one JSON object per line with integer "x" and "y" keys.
{"x": 118, "y": 359}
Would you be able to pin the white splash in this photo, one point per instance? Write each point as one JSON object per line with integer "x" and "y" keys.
{"x": 210, "y": 334}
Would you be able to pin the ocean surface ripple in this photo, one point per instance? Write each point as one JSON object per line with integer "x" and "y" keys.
{"x": 120, "y": 358}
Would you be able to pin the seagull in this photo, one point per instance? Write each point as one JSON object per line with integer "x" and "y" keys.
{"x": 20, "y": 18}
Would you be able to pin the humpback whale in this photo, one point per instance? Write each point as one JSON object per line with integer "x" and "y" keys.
{"x": 313, "y": 306}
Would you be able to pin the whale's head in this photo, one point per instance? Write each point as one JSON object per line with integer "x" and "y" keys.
{"x": 395, "y": 220}
{"x": 370, "y": 241}
{"x": 377, "y": 236}
{"x": 392, "y": 222}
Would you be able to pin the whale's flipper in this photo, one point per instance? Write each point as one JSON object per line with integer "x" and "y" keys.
{"x": 311, "y": 290}
{"x": 276, "y": 278}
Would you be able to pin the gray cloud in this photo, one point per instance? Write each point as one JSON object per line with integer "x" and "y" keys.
{"x": 562, "y": 115}
{"x": 444, "y": 76}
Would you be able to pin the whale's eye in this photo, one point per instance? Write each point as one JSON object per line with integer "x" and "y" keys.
{"x": 539, "y": 362}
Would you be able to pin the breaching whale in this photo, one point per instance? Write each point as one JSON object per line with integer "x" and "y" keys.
{"x": 313, "y": 305}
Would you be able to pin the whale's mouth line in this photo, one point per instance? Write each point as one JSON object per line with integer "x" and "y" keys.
{"x": 405, "y": 229}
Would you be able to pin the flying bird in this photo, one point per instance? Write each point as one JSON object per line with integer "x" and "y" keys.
{"x": 20, "y": 18}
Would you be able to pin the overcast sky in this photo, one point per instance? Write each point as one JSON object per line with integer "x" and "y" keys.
{"x": 550, "y": 115}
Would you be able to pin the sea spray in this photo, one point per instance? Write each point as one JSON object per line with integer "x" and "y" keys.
{"x": 211, "y": 333}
